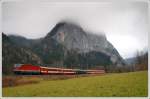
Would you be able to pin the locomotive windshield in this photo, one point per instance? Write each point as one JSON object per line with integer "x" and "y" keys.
{"x": 17, "y": 65}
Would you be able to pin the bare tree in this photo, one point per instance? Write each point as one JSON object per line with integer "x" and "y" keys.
{"x": 141, "y": 60}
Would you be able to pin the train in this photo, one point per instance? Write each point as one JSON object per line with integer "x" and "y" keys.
{"x": 42, "y": 70}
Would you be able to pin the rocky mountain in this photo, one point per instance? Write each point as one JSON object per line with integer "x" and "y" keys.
{"x": 73, "y": 37}
{"x": 67, "y": 44}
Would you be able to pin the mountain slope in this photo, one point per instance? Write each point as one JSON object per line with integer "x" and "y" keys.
{"x": 12, "y": 54}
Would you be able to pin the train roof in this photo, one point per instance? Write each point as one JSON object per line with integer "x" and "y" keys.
{"x": 49, "y": 67}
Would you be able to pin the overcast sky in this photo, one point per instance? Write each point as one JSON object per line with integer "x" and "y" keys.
{"x": 125, "y": 24}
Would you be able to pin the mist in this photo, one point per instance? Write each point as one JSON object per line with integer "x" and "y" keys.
{"x": 124, "y": 24}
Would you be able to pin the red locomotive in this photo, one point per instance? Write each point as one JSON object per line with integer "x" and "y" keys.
{"x": 33, "y": 69}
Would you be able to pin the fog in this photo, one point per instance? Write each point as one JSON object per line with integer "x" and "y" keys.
{"x": 125, "y": 24}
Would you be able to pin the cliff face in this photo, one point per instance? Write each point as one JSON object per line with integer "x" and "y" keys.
{"x": 74, "y": 37}
{"x": 67, "y": 44}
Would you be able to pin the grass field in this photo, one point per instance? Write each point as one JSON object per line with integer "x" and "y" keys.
{"x": 121, "y": 84}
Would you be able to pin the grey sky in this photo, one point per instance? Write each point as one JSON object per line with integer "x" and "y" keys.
{"x": 125, "y": 24}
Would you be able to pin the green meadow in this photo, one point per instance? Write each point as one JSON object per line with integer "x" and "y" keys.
{"x": 134, "y": 84}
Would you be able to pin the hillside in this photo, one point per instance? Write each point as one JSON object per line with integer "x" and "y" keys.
{"x": 12, "y": 54}
{"x": 67, "y": 44}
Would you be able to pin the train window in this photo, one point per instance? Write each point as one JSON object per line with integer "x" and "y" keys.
{"x": 17, "y": 65}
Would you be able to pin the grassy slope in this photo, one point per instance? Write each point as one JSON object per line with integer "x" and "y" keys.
{"x": 124, "y": 84}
